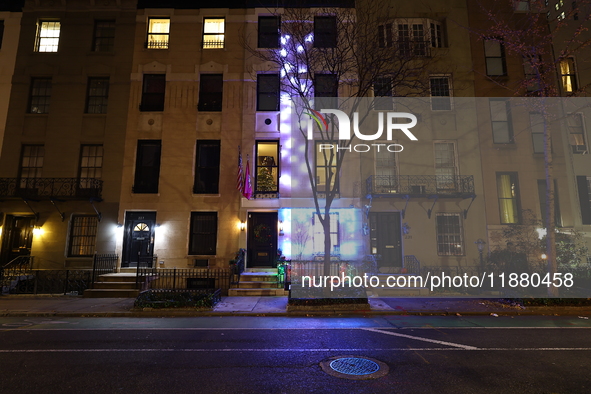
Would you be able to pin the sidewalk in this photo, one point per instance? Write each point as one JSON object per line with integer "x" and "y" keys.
{"x": 75, "y": 306}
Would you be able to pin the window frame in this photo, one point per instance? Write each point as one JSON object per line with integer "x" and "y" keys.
{"x": 207, "y": 171}
{"x": 153, "y": 101}
{"x": 86, "y": 227}
{"x": 85, "y": 168}
{"x": 103, "y": 98}
{"x": 210, "y": 101}
{"x": 264, "y": 38}
{"x": 275, "y": 165}
{"x": 27, "y": 173}
{"x": 205, "y": 44}
{"x": 196, "y": 236}
{"x": 441, "y": 102}
{"x": 103, "y": 43}
{"x": 536, "y": 133}
{"x": 508, "y": 121}
{"x": 383, "y": 94}
{"x": 584, "y": 192}
{"x": 442, "y": 180}
{"x": 577, "y": 148}
{"x": 569, "y": 75}
{"x": 270, "y": 95}
{"x": 40, "y": 37}
{"x": 1, "y": 32}
{"x": 147, "y": 177}
{"x": 515, "y": 198}
{"x": 325, "y": 35}
{"x": 432, "y": 35}
{"x": 151, "y": 42}
{"x": 488, "y": 57}
{"x": 447, "y": 239}
{"x": 43, "y": 100}
{"x": 326, "y": 166}
{"x": 327, "y": 97}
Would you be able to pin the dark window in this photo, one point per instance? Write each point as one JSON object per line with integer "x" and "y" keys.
{"x": 536, "y": 121}
{"x": 326, "y": 168}
{"x": 325, "y": 31}
{"x": 158, "y": 33}
{"x": 211, "y": 89}
{"x": 267, "y": 166}
{"x": 91, "y": 165}
{"x": 147, "y": 166}
{"x": 97, "y": 95}
{"x": 508, "y": 195}
{"x": 204, "y": 229}
{"x": 494, "y": 53}
{"x": 440, "y": 93}
{"x": 207, "y": 167}
{"x": 325, "y": 91}
{"x": 268, "y": 92}
{"x": 542, "y": 196}
{"x": 383, "y": 93}
{"x": 269, "y": 32}
{"x": 153, "y": 90}
{"x": 40, "y": 96}
{"x": 83, "y": 230}
{"x": 31, "y": 166}
{"x": 104, "y": 36}
{"x": 385, "y": 39}
{"x": 500, "y": 117}
{"x": 1, "y": 32}
{"x": 584, "y": 186}
{"x": 449, "y": 235}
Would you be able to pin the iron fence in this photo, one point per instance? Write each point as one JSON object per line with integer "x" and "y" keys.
{"x": 412, "y": 264}
{"x": 420, "y": 185}
{"x": 103, "y": 264}
{"x": 28, "y": 281}
{"x": 185, "y": 278}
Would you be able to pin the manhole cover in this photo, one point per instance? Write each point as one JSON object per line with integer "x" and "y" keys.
{"x": 354, "y": 366}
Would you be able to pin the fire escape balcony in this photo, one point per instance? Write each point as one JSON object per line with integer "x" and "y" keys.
{"x": 422, "y": 186}
{"x": 59, "y": 189}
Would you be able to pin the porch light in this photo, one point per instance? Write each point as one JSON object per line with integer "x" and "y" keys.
{"x": 543, "y": 256}
{"x": 281, "y": 233}
{"x": 242, "y": 225}
{"x": 37, "y": 230}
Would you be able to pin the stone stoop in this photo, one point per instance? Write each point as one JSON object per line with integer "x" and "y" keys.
{"x": 384, "y": 291}
{"x": 119, "y": 285}
{"x": 258, "y": 282}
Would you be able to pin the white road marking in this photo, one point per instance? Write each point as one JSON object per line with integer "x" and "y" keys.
{"x": 459, "y": 345}
{"x": 29, "y": 327}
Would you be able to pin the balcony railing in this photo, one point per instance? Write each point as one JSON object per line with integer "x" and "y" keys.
{"x": 51, "y": 188}
{"x": 420, "y": 185}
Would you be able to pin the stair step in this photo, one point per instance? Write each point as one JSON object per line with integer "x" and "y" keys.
{"x": 257, "y": 285}
{"x": 115, "y": 285}
{"x": 256, "y": 292}
{"x": 250, "y": 277}
{"x": 117, "y": 278}
{"x": 111, "y": 293}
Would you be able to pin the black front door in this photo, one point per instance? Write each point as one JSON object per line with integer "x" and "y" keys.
{"x": 18, "y": 237}
{"x": 138, "y": 240}
{"x": 262, "y": 239}
{"x": 385, "y": 238}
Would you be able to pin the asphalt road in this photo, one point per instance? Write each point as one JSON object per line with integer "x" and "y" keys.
{"x": 424, "y": 354}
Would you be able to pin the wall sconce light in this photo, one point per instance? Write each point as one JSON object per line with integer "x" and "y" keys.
{"x": 281, "y": 233}
{"x": 242, "y": 226}
{"x": 119, "y": 225}
{"x": 543, "y": 256}
{"x": 37, "y": 230}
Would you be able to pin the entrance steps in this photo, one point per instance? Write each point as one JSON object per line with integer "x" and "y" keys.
{"x": 117, "y": 285}
{"x": 258, "y": 282}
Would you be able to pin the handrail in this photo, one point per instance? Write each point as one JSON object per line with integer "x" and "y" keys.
{"x": 27, "y": 257}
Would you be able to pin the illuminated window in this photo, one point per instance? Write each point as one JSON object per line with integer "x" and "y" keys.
{"x": 568, "y": 76}
{"x": 91, "y": 165}
{"x": 500, "y": 117}
{"x": 268, "y": 32}
{"x": 203, "y": 235}
{"x": 48, "y": 36}
{"x": 104, "y": 36}
{"x": 319, "y": 234}
{"x": 207, "y": 167}
{"x": 494, "y": 53}
{"x": 449, "y": 234}
{"x": 158, "y": 33}
{"x": 326, "y": 167}
{"x": 267, "y": 167}
{"x": 40, "y": 96}
{"x": 268, "y": 92}
{"x": 576, "y": 129}
{"x": 440, "y": 93}
{"x": 325, "y": 31}
{"x": 83, "y": 229}
{"x": 508, "y": 195}
{"x": 213, "y": 33}
{"x": 97, "y": 95}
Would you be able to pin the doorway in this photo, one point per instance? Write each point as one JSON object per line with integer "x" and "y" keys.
{"x": 385, "y": 238}
{"x": 262, "y": 239}
{"x": 138, "y": 239}
{"x": 18, "y": 238}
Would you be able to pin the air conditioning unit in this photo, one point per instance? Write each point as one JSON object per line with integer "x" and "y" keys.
{"x": 582, "y": 149}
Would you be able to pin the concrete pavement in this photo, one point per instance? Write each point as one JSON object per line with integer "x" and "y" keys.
{"x": 75, "y": 306}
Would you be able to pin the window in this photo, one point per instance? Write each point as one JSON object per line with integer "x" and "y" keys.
{"x": 91, "y": 165}
{"x": 542, "y": 196}
{"x": 326, "y": 167}
{"x": 83, "y": 229}
{"x": 207, "y": 167}
{"x": 31, "y": 166}
{"x": 269, "y": 32}
{"x": 584, "y": 187}
{"x": 48, "y": 36}
{"x": 268, "y": 92}
{"x": 508, "y": 195}
{"x": 530, "y": 70}
{"x": 325, "y": 91}
{"x": 411, "y": 39}
{"x": 386, "y": 171}
{"x": 1, "y": 32}
{"x": 574, "y": 9}
{"x": 536, "y": 122}
{"x": 450, "y": 240}
{"x": 97, "y": 95}
{"x": 153, "y": 91}
{"x": 158, "y": 33}
{"x": 568, "y": 76}
{"x": 383, "y": 93}
{"x": 414, "y": 36}
{"x": 211, "y": 89}
{"x": 576, "y": 133}
{"x": 104, "y": 36}
{"x": 440, "y": 93}
{"x": 40, "y": 96}
{"x": 147, "y": 166}
{"x": 521, "y": 5}
{"x": 213, "y": 33}
{"x": 203, "y": 237}
{"x": 325, "y": 31}
{"x": 445, "y": 165}
{"x": 494, "y": 53}
{"x": 436, "y": 35}
{"x": 500, "y": 117}
{"x": 267, "y": 167}
{"x": 319, "y": 234}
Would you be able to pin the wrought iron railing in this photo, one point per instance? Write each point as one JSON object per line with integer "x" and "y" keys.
{"x": 299, "y": 269}
{"x": 20, "y": 262}
{"x": 420, "y": 185}
{"x": 412, "y": 264}
{"x": 27, "y": 281}
{"x": 48, "y": 188}
{"x": 103, "y": 264}
{"x": 184, "y": 278}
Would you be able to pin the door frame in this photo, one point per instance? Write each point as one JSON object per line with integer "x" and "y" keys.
{"x": 7, "y": 225}
{"x": 131, "y": 220}
{"x": 250, "y": 234}
{"x": 398, "y": 244}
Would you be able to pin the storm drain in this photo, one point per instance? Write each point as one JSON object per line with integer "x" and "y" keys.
{"x": 354, "y": 367}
